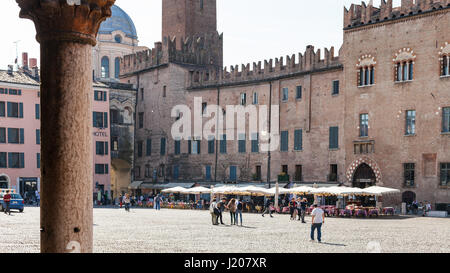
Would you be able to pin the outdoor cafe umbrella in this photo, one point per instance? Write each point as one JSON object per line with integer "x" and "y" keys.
{"x": 174, "y": 190}
{"x": 302, "y": 190}
{"x": 378, "y": 191}
{"x": 249, "y": 190}
{"x": 197, "y": 190}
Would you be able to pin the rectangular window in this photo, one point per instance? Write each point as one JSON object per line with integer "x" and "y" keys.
{"x": 16, "y": 136}
{"x": 446, "y": 120}
{"x": 334, "y": 137}
{"x": 177, "y": 145}
{"x": 255, "y": 142}
{"x": 176, "y": 172}
{"x": 137, "y": 172}
{"x": 333, "y": 177}
{"x": 372, "y": 75}
{"x": 445, "y": 174}
{"x": 101, "y": 169}
{"x": 141, "y": 120}
{"x": 208, "y": 173}
{"x": 38, "y": 111}
{"x": 409, "y": 173}
{"x": 100, "y": 96}
{"x": 242, "y": 143}
{"x": 148, "y": 147}
{"x": 233, "y": 173}
{"x": 255, "y": 98}
{"x": 114, "y": 144}
{"x": 335, "y": 90}
{"x": 284, "y": 141}
{"x": 298, "y": 140}
{"x": 364, "y": 125}
{"x": 38, "y": 136}
{"x": 298, "y": 93}
{"x": 196, "y": 147}
{"x": 285, "y": 169}
{"x": 2, "y": 135}
{"x": 223, "y": 144}
{"x": 114, "y": 116}
{"x": 244, "y": 99}
{"x": 101, "y": 148}
{"x": 211, "y": 145}
{"x": 285, "y": 95}
{"x": 298, "y": 173}
{"x": 140, "y": 147}
{"x": 204, "y": 106}
{"x": 410, "y": 122}
{"x": 15, "y": 110}
{"x": 258, "y": 176}
{"x": 2, "y": 109}
{"x": 163, "y": 146}
{"x": 16, "y": 160}
{"x": 2, "y": 91}
{"x": 3, "y": 162}
{"x": 38, "y": 160}
{"x": 100, "y": 120}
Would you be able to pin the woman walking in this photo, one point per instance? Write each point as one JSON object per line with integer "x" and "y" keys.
{"x": 232, "y": 207}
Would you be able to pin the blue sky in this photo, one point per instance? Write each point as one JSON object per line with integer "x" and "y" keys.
{"x": 253, "y": 30}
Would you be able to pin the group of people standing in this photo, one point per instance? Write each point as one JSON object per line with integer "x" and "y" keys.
{"x": 126, "y": 201}
{"x": 298, "y": 207}
{"x": 235, "y": 206}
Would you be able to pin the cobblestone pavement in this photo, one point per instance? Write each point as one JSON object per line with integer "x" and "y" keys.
{"x": 169, "y": 231}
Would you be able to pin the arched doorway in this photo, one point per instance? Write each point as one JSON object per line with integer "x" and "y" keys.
{"x": 364, "y": 177}
{"x": 408, "y": 197}
{"x": 4, "y": 182}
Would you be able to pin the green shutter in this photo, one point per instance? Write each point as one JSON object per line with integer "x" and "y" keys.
{"x": 334, "y": 137}
{"x": 22, "y": 136}
{"x": 20, "y": 110}
{"x": 22, "y": 160}
{"x": 105, "y": 120}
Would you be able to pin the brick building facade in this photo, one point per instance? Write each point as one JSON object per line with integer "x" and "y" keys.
{"x": 376, "y": 113}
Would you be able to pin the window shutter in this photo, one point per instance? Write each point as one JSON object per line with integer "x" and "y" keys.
{"x": 9, "y": 104}
{"x": 106, "y": 169}
{"x": 22, "y": 160}
{"x": 189, "y": 147}
{"x": 334, "y": 137}
{"x": 37, "y": 111}
{"x": 106, "y": 148}
{"x": 20, "y": 110}
{"x": 104, "y": 96}
{"x": 38, "y": 159}
{"x": 149, "y": 147}
{"x": 199, "y": 147}
{"x": 22, "y": 136}
{"x": 38, "y": 136}
{"x": 94, "y": 123}
{"x": 10, "y": 160}
{"x": 284, "y": 141}
{"x": 105, "y": 120}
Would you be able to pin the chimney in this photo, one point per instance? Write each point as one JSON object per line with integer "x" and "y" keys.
{"x": 25, "y": 60}
{"x": 35, "y": 73}
{"x": 10, "y": 69}
{"x": 33, "y": 62}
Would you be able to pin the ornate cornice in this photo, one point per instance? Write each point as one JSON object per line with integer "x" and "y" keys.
{"x": 66, "y": 20}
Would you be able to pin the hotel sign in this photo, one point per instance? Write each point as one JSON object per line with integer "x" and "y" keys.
{"x": 100, "y": 134}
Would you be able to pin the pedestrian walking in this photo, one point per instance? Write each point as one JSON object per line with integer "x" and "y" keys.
{"x": 232, "y": 208}
{"x": 268, "y": 208}
{"x": 292, "y": 208}
{"x": 221, "y": 207}
{"x": 7, "y": 202}
{"x": 239, "y": 208}
{"x": 214, "y": 212}
{"x": 127, "y": 202}
{"x": 299, "y": 208}
{"x": 303, "y": 205}
{"x": 318, "y": 218}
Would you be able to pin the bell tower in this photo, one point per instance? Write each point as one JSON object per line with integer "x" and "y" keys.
{"x": 185, "y": 18}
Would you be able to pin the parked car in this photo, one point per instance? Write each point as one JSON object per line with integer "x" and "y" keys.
{"x": 17, "y": 202}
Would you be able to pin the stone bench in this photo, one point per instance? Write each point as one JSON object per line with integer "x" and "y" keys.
{"x": 441, "y": 214}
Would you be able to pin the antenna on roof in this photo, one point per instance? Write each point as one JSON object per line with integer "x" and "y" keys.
{"x": 16, "y": 62}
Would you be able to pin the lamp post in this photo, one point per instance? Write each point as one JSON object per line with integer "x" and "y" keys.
{"x": 67, "y": 32}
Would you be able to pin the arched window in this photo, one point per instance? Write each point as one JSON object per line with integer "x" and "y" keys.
{"x": 404, "y": 65}
{"x": 118, "y": 38}
{"x": 445, "y": 60}
{"x": 117, "y": 68}
{"x": 105, "y": 67}
{"x": 366, "y": 72}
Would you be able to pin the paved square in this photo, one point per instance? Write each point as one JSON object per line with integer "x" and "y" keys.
{"x": 169, "y": 231}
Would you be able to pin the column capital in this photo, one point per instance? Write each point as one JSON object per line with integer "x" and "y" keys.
{"x": 66, "y": 20}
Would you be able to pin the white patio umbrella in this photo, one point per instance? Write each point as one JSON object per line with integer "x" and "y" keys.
{"x": 250, "y": 190}
{"x": 379, "y": 191}
{"x": 174, "y": 190}
{"x": 298, "y": 190}
{"x": 224, "y": 190}
{"x": 197, "y": 190}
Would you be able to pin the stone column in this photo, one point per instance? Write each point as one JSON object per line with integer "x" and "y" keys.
{"x": 66, "y": 31}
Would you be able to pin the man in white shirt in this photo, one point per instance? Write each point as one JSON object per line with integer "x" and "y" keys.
{"x": 318, "y": 218}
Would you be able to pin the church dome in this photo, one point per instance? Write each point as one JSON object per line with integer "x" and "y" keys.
{"x": 119, "y": 20}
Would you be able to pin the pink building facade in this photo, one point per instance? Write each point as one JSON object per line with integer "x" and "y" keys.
{"x": 20, "y": 133}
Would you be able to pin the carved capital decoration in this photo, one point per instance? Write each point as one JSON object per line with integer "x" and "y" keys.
{"x": 66, "y": 20}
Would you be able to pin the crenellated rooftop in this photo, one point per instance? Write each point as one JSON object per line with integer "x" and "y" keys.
{"x": 310, "y": 61}
{"x": 203, "y": 50}
{"x": 361, "y": 15}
